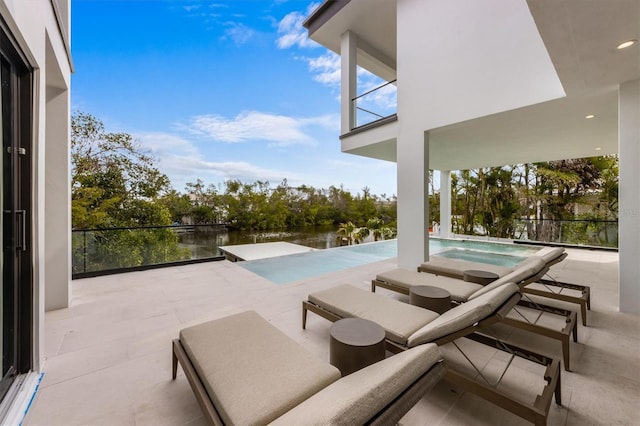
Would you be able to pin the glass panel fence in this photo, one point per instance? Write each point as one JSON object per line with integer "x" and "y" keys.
{"x": 117, "y": 248}
{"x": 597, "y": 233}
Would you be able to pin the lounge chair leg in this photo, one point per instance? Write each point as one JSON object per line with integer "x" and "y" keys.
{"x": 373, "y": 286}
{"x": 565, "y": 353}
{"x": 304, "y": 316}
{"x": 175, "y": 363}
{"x": 583, "y": 312}
{"x": 558, "y": 391}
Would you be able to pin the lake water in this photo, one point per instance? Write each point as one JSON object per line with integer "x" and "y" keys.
{"x": 203, "y": 241}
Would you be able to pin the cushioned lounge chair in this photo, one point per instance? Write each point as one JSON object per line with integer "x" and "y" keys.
{"x": 233, "y": 364}
{"x": 407, "y": 326}
{"x": 543, "y": 287}
{"x": 529, "y": 271}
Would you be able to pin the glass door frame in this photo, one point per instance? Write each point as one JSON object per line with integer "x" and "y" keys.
{"x": 16, "y": 202}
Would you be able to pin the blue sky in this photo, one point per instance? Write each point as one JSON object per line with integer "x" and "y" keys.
{"x": 220, "y": 90}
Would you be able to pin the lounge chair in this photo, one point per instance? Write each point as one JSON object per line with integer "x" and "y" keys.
{"x": 407, "y": 326}
{"x": 244, "y": 371}
{"x": 440, "y": 265}
{"x": 529, "y": 271}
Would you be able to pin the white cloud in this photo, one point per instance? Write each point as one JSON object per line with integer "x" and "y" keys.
{"x": 278, "y": 130}
{"x": 292, "y": 33}
{"x": 326, "y": 69}
{"x": 161, "y": 144}
{"x": 182, "y": 162}
{"x": 242, "y": 171}
{"x": 239, "y": 33}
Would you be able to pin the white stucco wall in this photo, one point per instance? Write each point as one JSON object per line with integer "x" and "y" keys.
{"x": 445, "y": 203}
{"x": 458, "y": 60}
{"x": 629, "y": 197}
{"x": 349, "y": 78}
{"x": 463, "y": 59}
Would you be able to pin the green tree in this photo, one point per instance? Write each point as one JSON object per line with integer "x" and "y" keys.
{"x": 114, "y": 183}
{"x": 179, "y": 205}
{"x": 500, "y": 206}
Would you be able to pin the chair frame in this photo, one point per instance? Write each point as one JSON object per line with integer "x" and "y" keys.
{"x": 563, "y": 335}
{"x": 536, "y": 412}
{"x": 583, "y": 301}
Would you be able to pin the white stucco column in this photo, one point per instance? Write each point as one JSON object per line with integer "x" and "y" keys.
{"x": 349, "y": 80}
{"x": 413, "y": 200}
{"x": 57, "y": 201}
{"x": 445, "y": 203}
{"x": 629, "y": 196}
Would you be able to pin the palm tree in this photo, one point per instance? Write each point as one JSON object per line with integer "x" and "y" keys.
{"x": 375, "y": 225}
{"x": 345, "y": 232}
{"x": 361, "y": 234}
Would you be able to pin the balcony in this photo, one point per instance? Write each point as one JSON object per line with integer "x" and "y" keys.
{"x": 375, "y": 105}
{"x": 109, "y": 354}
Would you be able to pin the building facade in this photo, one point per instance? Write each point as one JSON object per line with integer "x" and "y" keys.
{"x": 35, "y": 69}
{"x": 492, "y": 83}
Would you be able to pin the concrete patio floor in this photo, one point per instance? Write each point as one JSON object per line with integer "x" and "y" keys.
{"x": 109, "y": 354}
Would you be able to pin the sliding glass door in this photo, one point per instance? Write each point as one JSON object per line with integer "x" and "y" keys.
{"x": 16, "y": 296}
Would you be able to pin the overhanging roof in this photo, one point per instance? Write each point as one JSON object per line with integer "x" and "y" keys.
{"x": 581, "y": 38}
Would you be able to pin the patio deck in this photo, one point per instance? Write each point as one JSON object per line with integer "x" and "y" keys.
{"x": 109, "y": 355}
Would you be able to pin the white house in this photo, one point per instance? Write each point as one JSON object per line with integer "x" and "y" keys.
{"x": 36, "y": 227}
{"x": 489, "y": 83}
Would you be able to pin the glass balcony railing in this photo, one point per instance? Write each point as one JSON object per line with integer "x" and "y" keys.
{"x": 595, "y": 233}
{"x": 104, "y": 251}
{"x": 577, "y": 232}
{"x": 375, "y": 104}
{"x": 107, "y": 251}
{"x": 97, "y": 251}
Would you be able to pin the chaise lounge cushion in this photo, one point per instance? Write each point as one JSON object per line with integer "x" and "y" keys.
{"x": 460, "y": 290}
{"x": 464, "y": 315}
{"x": 356, "y": 398}
{"x": 549, "y": 254}
{"x": 441, "y": 265}
{"x": 526, "y": 270}
{"x": 350, "y": 302}
{"x": 247, "y": 343}
{"x": 455, "y": 268}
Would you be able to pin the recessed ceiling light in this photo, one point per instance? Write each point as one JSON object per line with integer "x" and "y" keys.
{"x": 598, "y": 149}
{"x": 589, "y": 116}
{"x": 627, "y": 44}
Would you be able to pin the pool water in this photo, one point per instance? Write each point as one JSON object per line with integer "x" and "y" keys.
{"x": 294, "y": 267}
{"x": 498, "y": 259}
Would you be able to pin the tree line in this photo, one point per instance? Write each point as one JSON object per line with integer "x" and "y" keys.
{"x": 115, "y": 184}
{"x": 115, "y": 187}
{"x": 542, "y": 200}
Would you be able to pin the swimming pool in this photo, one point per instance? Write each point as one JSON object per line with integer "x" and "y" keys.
{"x": 294, "y": 267}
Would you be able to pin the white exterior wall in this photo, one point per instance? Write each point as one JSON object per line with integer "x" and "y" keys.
{"x": 349, "y": 79}
{"x": 445, "y": 203}
{"x": 413, "y": 200}
{"x": 491, "y": 60}
{"x": 35, "y": 27}
{"x": 629, "y": 201}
